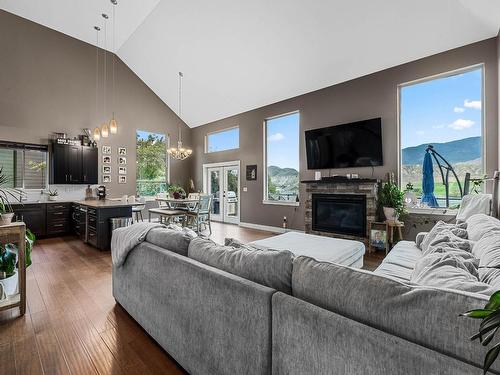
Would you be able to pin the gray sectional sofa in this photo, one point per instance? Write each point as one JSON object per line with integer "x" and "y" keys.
{"x": 236, "y": 310}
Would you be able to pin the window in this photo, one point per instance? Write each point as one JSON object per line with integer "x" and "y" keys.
{"x": 152, "y": 163}
{"x": 24, "y": 165}
{"x": 281, "y": 158}
{"x": 445, "y": 112}
{"x": 228, "y": 139}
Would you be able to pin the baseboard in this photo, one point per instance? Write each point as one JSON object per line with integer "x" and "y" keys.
{"x": 268, "y": 228}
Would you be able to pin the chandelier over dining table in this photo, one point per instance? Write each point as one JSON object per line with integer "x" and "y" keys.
{"x": 180, "y": 152}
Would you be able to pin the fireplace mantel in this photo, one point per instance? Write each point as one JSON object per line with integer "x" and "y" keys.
{"x": 360, "y": 186}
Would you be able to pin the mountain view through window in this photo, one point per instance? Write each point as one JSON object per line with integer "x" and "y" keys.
{"x": 445, "y": 112}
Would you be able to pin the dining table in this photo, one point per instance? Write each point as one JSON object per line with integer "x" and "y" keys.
{"x": 176, "y": 202}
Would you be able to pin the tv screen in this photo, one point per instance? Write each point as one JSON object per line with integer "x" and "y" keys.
{"x": 357, "y": 144}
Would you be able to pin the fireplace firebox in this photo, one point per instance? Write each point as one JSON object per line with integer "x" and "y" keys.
{"x": 339, "y": 213}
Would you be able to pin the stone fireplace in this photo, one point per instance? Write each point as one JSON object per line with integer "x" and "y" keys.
{"x": 340, "y": 208}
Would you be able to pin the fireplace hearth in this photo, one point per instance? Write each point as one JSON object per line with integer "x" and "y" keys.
{"x": 339, "y": 213}
{"x": 340, "y": 208}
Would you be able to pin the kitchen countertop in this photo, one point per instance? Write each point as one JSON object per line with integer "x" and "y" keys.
{"x": 95, "y": 203}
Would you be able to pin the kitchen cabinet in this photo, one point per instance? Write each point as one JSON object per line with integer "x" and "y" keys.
{"x": 33, "y": 215}
{"x": 73, "y": 164}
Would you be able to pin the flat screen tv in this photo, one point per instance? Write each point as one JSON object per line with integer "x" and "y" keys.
{"x": 357, "y": 144}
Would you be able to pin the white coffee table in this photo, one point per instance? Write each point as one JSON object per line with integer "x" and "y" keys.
{"x": 323, "y": 249}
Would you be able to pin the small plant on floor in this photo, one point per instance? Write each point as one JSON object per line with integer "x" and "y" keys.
{"x": 391, "y": 199}
{"x": 490, "y": 323}
{"x": 8, "y": 255}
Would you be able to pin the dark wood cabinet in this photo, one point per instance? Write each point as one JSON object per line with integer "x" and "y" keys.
{"x": 73, "y": 164}
{"x": 89, "y": 165}
{"x": 33, "y": 215}
{"x": 58, "y": 219}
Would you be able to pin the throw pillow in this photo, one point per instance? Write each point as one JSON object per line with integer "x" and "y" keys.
{"x": 487, "y": 250}
{"x": 480, "y": 225}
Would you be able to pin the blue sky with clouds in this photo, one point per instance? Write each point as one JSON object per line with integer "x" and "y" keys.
{"x": 283, "y": 141}
{"x": 224, "y": 140}
{"x": 441, "y": 110}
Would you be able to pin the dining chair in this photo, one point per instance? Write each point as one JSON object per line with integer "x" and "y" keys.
{"x": 200, "y": 215}
{"x": 137, "y": 210}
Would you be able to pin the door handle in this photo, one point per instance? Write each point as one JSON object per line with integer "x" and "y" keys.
{"x": 66, "y": 178}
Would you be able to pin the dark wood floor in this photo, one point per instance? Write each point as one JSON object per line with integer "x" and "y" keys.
{"x": 74, "y": 326}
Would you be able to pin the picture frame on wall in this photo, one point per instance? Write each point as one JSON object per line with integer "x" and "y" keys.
{"x": 251, "y": 172}
{"x": 122, "y": 151}
{"x": 122, "y": 170}
{"x": 122, "y": 160}
{"x": 106, "y": 150}
{"x": 106, "y": 179}
{"x": 106, "y": 159}
{"x": 122, "y": 179}
{"x": 106, "y": 169}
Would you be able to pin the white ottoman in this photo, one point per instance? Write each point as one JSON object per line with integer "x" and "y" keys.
{"x": 323, "y": 249}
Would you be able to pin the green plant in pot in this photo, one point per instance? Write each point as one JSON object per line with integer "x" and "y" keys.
{"x": 9, "y": 263}
{"x": 6, "y": 194}
{"x": 490, "y": 323}
{"x": 176, "y": 191}
{"x": 391, "y": 199}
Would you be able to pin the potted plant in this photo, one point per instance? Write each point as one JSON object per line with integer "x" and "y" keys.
{"x": 53, "y": 194}
{"x": 391, "y": 199}
{"x": 488, "y": 327}
{"x": 8, "y": 265}
{"x": 176, "y": 191}
{"x": 6, "y": 213}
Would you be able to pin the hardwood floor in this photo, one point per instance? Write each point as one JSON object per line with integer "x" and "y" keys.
{"x": 73, "y": 324}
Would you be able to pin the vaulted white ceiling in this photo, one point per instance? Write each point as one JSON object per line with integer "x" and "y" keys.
{"x": 241, "y": 55}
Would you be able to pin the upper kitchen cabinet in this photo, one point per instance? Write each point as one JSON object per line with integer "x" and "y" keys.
{"x": 73, "y": 164}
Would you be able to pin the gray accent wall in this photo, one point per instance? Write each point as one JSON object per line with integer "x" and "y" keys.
{"x": 374, "y": 95}
{"x": 47, "y": 84}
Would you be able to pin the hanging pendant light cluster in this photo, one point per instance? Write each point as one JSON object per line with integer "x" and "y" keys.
{"x": 112, "y": 127}
{"x": 179, "y": 152}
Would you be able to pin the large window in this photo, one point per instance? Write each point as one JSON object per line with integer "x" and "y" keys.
{"x": 281, "y": 174}
{"x": 445, "y": 112}
{"x": 228, "y": 139}
{"x": 24, "y": 165}
{"x": 152, "y": 163}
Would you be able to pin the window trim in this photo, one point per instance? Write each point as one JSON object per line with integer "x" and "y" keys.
{"x": 221, "y": 131}
{"x": 167, "y": 135}
{"x": 20, "y": 146}
{"x": 264, "y": 159}
{"x": 446, "y": 74}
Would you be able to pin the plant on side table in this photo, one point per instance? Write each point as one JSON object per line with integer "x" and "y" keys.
{"x": 391, "y": 199}
{"x": 8, "y": 265}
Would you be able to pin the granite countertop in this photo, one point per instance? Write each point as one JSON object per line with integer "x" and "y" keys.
{"x": 96, "y": 203}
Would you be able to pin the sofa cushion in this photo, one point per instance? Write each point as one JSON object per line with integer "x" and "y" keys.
{"x": 176, "y": 240}
{"x": 423, "y": 315}
{"x": 400, "y": 261}
{"x": 487, "y": 250}
{"x": 272, "y": 268}
{"x": 490, "y": 276}
{"x": 481, "y": 224}
{"x": 442, "y": 228}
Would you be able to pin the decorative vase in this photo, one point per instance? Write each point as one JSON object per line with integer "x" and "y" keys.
{"x": 52, "y": 197}
{"x": 390, "y": 214}
{"x": 6, "y": 218}
{"x": 176, "y": 195}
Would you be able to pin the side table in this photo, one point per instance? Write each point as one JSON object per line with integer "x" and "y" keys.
{"x": 391, "y": 226}
{"x": 16, "y": 233}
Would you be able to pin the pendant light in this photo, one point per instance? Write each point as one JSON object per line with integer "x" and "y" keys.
{"x": 113, "y": 124}
{"x": 179, "y": 152}
{"x": 97, "y": 131}
{"x": 105, "y": 127}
